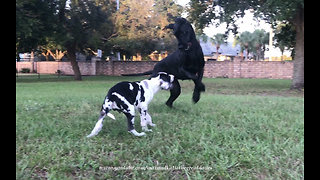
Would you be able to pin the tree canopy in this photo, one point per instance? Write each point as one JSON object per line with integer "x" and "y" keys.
{"x": 218, "y": 40}
{"x": 86, "y": 25}
{"x": 33, "y": 24}
{"x": 139, "y": 25}
{"x": 285, "y": 37}
{"x": 204, "y": 12}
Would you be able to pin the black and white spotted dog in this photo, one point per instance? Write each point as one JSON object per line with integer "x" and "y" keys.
{"x": 128, "y": 96}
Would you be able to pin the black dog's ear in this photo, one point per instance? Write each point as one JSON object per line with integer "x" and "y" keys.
{"x": 170, "y": 26}
{"x": 180, "y": 20}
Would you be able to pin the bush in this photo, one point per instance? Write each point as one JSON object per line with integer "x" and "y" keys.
{"x": 25, "y": 70}
{"x": 58, "y": 72}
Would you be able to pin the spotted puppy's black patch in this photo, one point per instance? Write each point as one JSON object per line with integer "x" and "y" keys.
{"x": 128, "y": 90}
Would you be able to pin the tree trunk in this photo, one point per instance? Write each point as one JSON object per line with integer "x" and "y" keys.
{"x": 217, "y": 53}
{"x": 258, "y": 49}
{"x": 241, "y": 55}
{"x": 298, "y": 63}
{"x": 262, "y": 52}
{"x": 247, "y": 55}
{"x": 71, "y": 53}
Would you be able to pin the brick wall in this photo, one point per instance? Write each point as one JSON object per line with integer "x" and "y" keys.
{"x": 249, "y": 69}
{"x": 269, "y": 70}
{"x": 213, "y": 69}
{"x": 218, "y": 69}
{"x": 51, "y": 67}
{"x": 29, "y": 65}
{"x": 127, "y": 67}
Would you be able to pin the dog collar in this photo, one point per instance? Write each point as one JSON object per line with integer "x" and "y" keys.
{"x": 189, "y": 45}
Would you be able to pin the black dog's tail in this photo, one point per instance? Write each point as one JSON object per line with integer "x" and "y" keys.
{"x": 138, "y": 74}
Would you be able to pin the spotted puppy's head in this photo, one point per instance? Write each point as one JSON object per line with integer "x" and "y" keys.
{"x": 165, "y": 80}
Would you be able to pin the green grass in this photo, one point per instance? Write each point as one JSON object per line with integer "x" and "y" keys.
{"x": 240, "y": 129}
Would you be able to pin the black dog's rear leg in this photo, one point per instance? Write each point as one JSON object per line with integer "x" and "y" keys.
{"x": 174, "y": 93}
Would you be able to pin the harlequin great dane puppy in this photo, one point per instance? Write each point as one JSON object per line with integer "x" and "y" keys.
{"x": 128, "y": 96}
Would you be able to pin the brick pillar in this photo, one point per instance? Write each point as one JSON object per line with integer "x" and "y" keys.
{"x": 32, "y": 62}
{"x": 111, "y": 67}
{"x": 94, "y": 65}
{"x": 237, "y": 67}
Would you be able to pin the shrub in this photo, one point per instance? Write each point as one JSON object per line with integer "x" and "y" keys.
{"x": 25, "y": 70}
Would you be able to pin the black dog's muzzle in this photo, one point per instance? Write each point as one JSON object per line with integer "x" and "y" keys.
{"x": 186, "y": 46}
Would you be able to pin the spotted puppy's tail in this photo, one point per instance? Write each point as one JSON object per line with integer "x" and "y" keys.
{"x": 104, "y": 111}
{"x": 106, "y": 107}
{"x": 111, "y": 116}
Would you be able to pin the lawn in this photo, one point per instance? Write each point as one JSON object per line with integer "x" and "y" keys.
{"x": 240, "y": 129}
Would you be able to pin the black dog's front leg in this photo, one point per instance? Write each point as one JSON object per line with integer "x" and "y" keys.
{"x": 199, "y": 86}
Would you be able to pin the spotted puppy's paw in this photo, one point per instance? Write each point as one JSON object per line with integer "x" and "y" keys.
{"x": 145, "y": 129}
{"x": 134, "y": 132}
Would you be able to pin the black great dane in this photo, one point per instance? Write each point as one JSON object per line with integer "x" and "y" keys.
{"x": 187, "y": 62}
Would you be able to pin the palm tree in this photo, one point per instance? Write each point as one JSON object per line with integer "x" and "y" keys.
{"x": 201, "y": 36}
{"x": 217, "y": 40}
{"x": 245, "y": 40}
{"x": 260, "y": 39}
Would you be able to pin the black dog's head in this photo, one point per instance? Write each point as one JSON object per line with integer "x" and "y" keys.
{"x": 184, "y": 32}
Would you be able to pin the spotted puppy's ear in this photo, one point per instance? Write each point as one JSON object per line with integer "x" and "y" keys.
{"x": 162, "y": 73}
{"x": 171, "y": 78}
{"x": 159, "y": 73}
